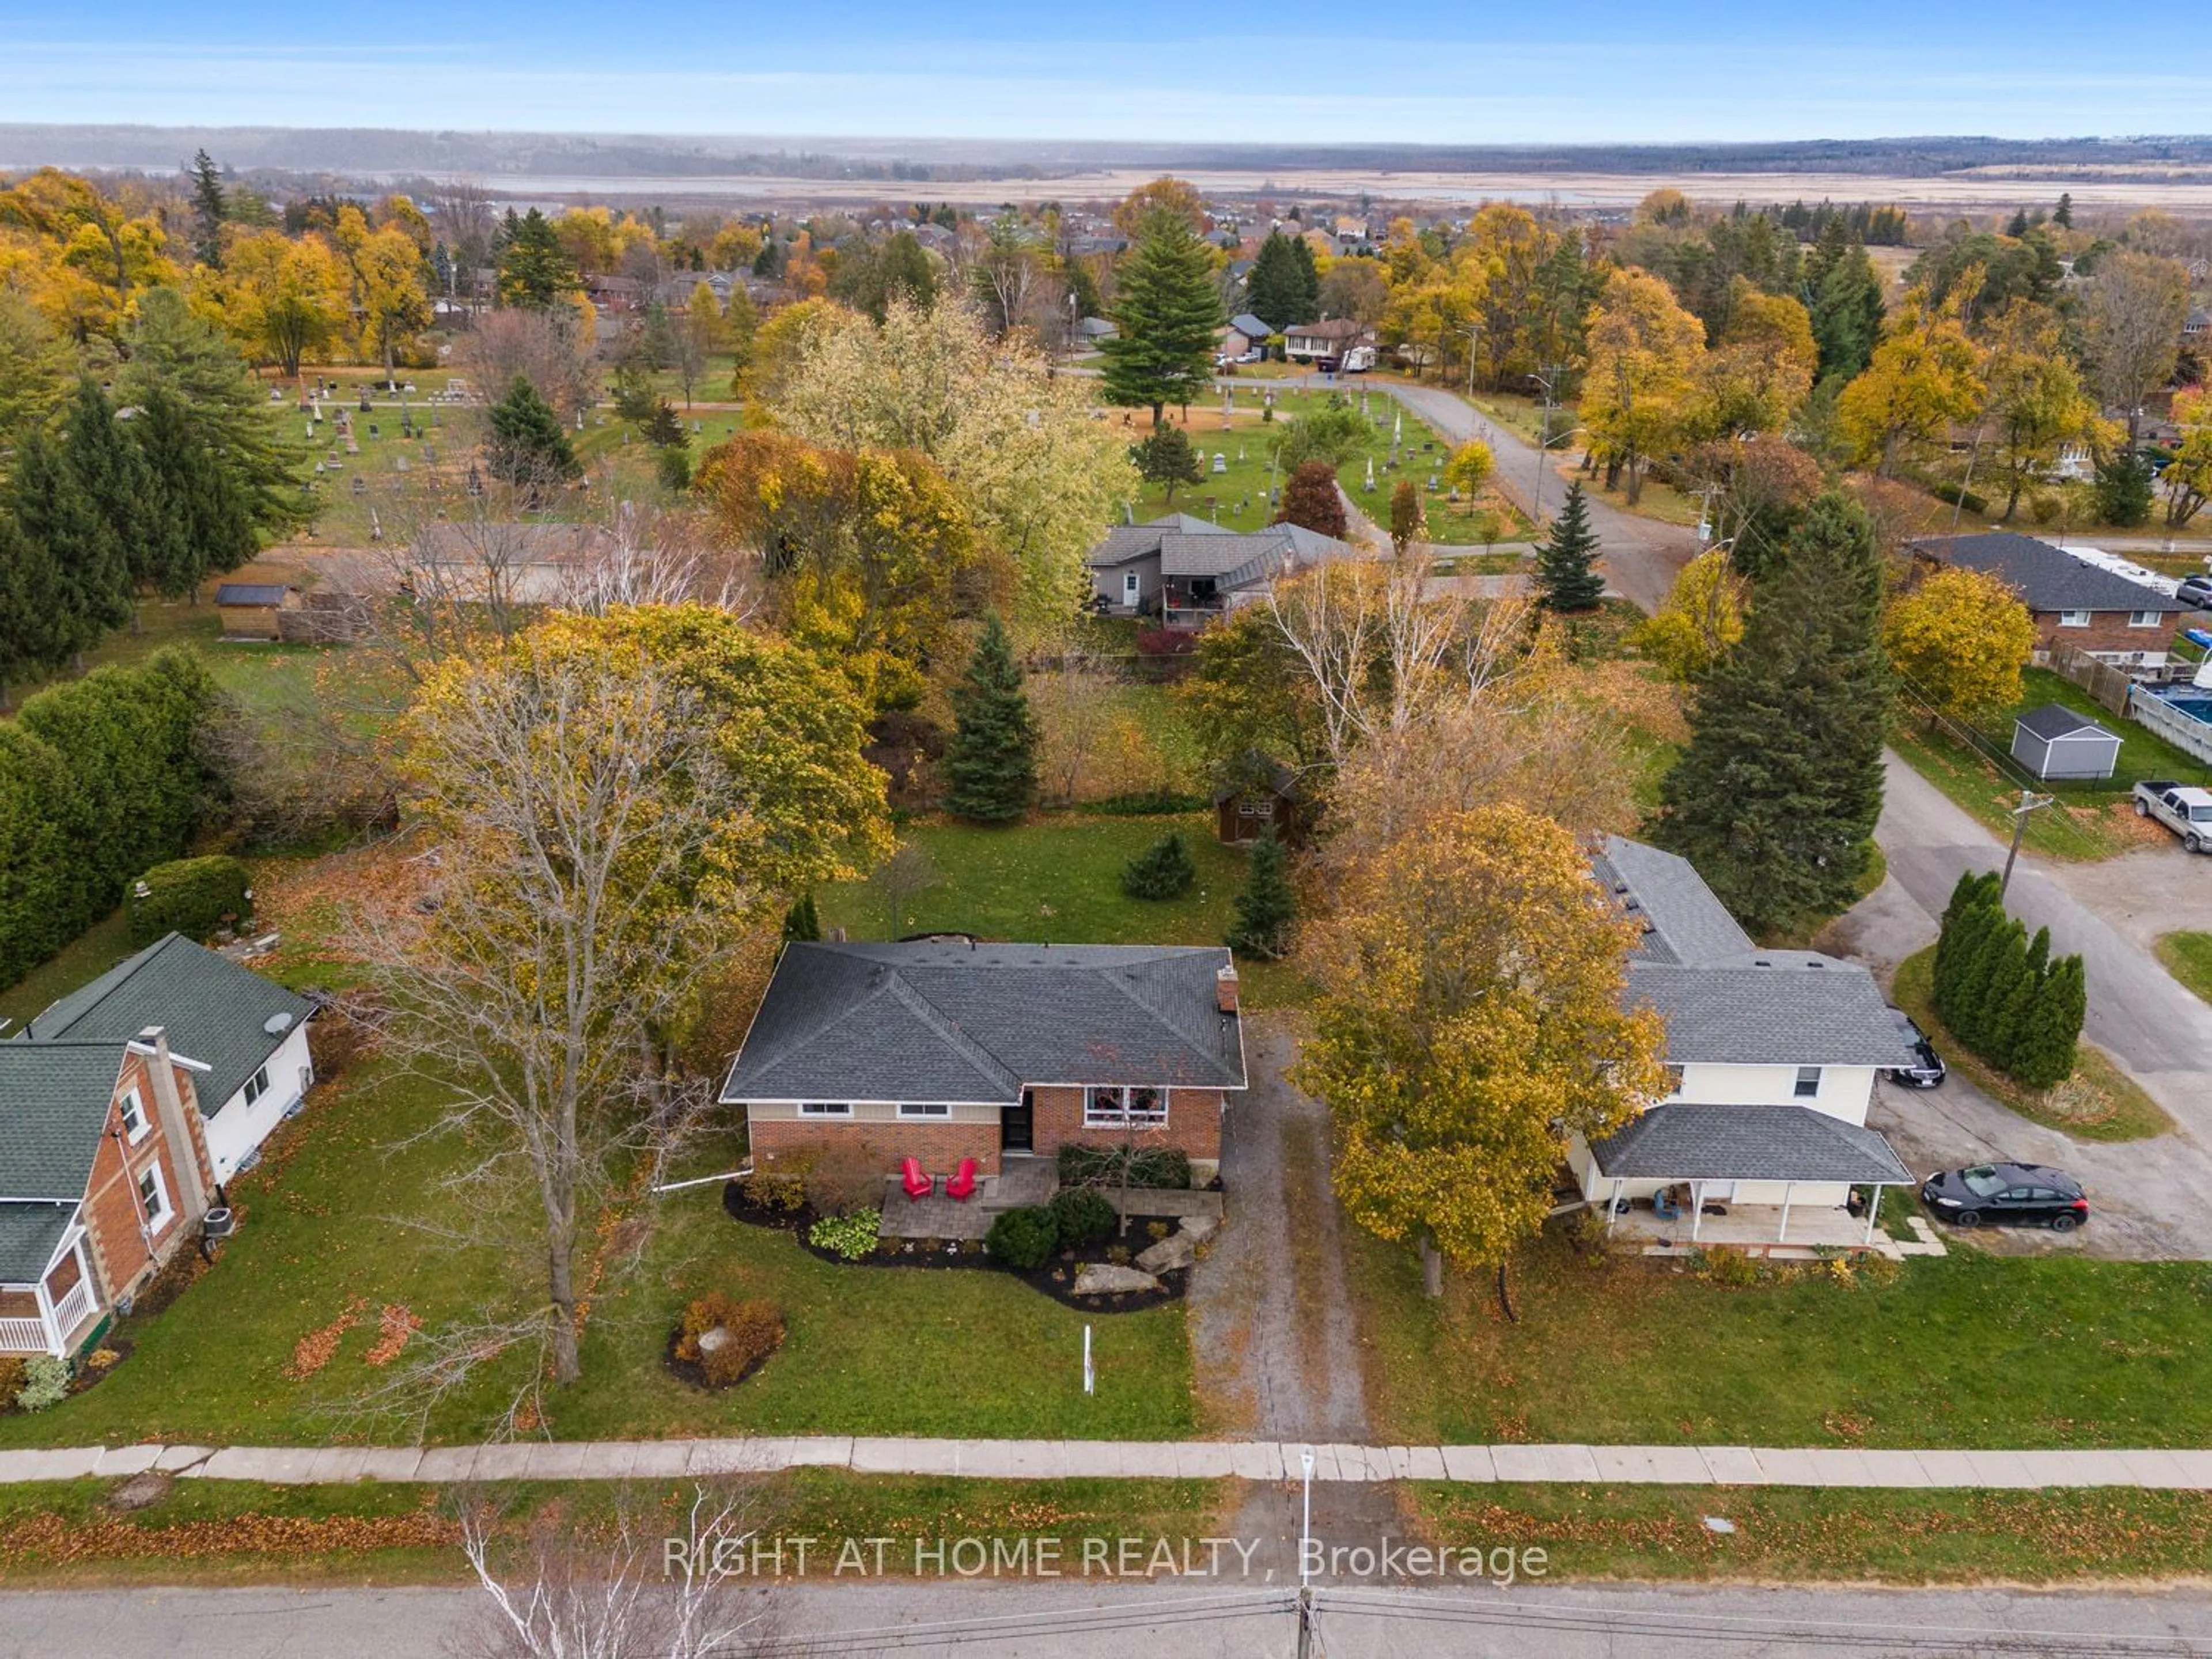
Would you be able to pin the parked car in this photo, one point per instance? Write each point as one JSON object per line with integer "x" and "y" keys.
{"x": 1998, "y": 1193}
{"x": 2181, "y": 808}
{"x": 1928, "y": 1071}
{"x": 2196, "y": 591}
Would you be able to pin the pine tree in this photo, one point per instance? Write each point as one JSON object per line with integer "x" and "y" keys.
{"x": 1167, "y": 458}
{"x": 1162, "y": 870}
{"x": 1280, "y": 291}
{"x": 1166, "y": 316}
{"x": 990, "y": 765}
{"x": 1778, "y": 791}
{"x": 1312, "y": 501}
{"x": 210, "y": 209}
{"x": 527, "y": 446}
{"x": 534, "y": 271}
{"x": 113, "y": 476}
{"x": 1266, "y": 906}
{"x": 1963, "y": 932}
{"x": 2045, "y": 1053}
{"x": 801, "y": 923}
{"x": 1564, "y": 578}
{"x": 94, "y": 577}
{"x": 1309, "y": 291}
{"x": 33, "y": 637}
{"x": 209, "y": 512}
{"x": 2000, "y": 972}
{"x": 2063, "y": 215}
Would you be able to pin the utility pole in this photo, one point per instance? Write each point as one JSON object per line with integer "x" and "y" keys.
{"x": 1474, "y": 333}
{"x": 1543, "y": 441}
{"x": 2029, "y": 802}
{"x": 1305, "y": 1560}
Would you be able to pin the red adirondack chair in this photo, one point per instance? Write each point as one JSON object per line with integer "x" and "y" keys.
{"x": 917, "y": 1184}
{"x": 963, "y": 1183}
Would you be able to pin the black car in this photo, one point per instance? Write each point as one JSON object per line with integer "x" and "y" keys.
{"x": 1927, "y": 1070}
{"x": 1994, "y": 1192}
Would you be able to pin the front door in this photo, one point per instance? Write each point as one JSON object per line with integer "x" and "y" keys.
{"x": 1018, "y": 1125}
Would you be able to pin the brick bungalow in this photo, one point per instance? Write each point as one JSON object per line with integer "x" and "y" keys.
{"x": 941, "y": 1050}
{"x": 2072, "y": 601}
{"x": 104, "y": 1173}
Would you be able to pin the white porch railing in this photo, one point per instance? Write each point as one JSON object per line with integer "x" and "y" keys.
{"x": 73, "y": 1309}
{"x": 50, "y": 1335}
{"x": 23, "y": 1336}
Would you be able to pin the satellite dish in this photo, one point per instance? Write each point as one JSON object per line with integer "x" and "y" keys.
{"x": 277, "y": 1024}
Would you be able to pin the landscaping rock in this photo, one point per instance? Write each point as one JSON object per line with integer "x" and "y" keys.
{"x": 1103, "y": 1278}
{"x": 1177, "y": 1249}
{"x": 711, "y": 1341}
{"x": 1200, "y": 1228}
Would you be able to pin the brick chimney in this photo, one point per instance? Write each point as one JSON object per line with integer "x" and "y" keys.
{"x": 177, "y": 1129}
{"x": 1224, "y": 989}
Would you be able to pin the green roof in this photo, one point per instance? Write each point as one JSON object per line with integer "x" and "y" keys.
{"x": 54, "y": 1098}
{"x": 214, "y": 1010}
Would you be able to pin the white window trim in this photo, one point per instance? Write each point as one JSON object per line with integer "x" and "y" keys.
{"x": 2144, "y": 618}
{"x": 2075, "y": 619}
{"x": 159, "y": 1222}
{"x": 822, "y": 1109}
{"x": 925, "y": 1111}
{"x": 1132, "y": 585}
{"x": 1118, "y": 1114}
{"x": 131, "y": 1106}
{"x": 1797, "y": 1089}
{"x": 257, "y": 1085}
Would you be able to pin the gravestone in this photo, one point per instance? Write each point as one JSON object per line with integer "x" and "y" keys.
{"x": 429, "y": 454}
{"x": 364, "y": 404}
{"x": 360, "y": 485}
{"x": 1220, "y": 462}
{"x": 372, "y": 428}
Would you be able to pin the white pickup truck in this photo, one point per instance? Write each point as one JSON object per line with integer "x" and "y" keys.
{"x": 2185, "y": 810}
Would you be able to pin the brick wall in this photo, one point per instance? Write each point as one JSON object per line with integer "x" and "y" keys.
{"x": 939, "y": 1145}
{"x": 110, "y": 1209}
{"x": 2108, "y": 630}
{"x": 1194, "y": 1124}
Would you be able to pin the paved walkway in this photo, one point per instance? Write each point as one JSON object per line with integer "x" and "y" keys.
{"x": 1042, "y": 1460}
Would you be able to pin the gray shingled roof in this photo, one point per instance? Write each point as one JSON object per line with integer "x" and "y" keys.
{"x": 250, "y": 593}
{"x": 976, "y": 1024}
{"x": 54, "y": 1098}
{"x": 214, "y": 1010}
{"x": 29, "y": 1234}
{"x": 1125, "y": 542}
{"x": 1217, "y": 556}
{"x": 1689, "y": 925}
{"x": 2047, "y": 578}
{"x": 2055, "y": 720}
{"x": 1251, "y": 327}
{"x": 1725, "y": 1001}
{"x": 1685, "y": 1141}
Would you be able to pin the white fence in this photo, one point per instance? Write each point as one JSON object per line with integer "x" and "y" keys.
{"x": 2192, "y": 736}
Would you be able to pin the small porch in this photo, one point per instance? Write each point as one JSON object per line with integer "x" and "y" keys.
{"x": 1785, "y": 1232}
{"x": 50, "y": 1314}
{"x": 1020, "y": 1183}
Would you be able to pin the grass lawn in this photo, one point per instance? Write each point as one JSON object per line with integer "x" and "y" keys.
{"x": 2099, "y": 1102}
{"x": 1058, "y": 878}
{"x": 85, "y": 959}
{"x": 2187, "y": 957}
{"x": 1798, "y": 1535}
{"x": 325, "y": 1231}
{"x": 1965, "y": 1349}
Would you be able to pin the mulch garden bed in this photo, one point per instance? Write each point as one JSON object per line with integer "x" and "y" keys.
{"x": 692, "y": 1375}
{"x": 1056, "y": 1278}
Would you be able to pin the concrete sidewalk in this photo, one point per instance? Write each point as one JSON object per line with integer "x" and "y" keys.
{"x": 1040, "y": 1460}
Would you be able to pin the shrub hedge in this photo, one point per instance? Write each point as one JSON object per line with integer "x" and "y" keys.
{"x": 1081, "y": 1214}
{"x": 752, "y": 1330}
{"x": 190, "y": 897}
{"x": 1023, "y": 1239}
{"x": 1100, "y": 1166}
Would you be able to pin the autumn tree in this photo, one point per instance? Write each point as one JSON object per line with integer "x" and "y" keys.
{"x": 990, "y": 765}
{"x": 1471, "y": 1023}
{"x": 1923, "y": 376}
{"x": 283, "y": 298}
{"x": 1166, "y": 314}
{"x": 1165, "y": 456}
{"x": 1040, "y": 480}
{"x": 1755, "y": 490}
{"x": 388, "y": 295}
{"x": 35, "y": 368}
{"x": 1701, "y": 620}
{"x": 1312, "y": 501}
{"x": 1759, "y": 372}
{"x": 2136, "y": 306}
{"x": 1777, "y": 793}
{"x": 1646, "y": 356}
{"x": 1469, "y": 469}
{"x": 2035, "y": 399}
{"x": 1959, "y": 639}
{"x": 1176, "y": 199}
{"x": 2187, "y": 479}
{"x": 614, "y": 800}
{"x": 1408, "y": 523}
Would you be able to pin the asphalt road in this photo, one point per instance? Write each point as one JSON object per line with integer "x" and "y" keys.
{"x": 1195, "y": 1619}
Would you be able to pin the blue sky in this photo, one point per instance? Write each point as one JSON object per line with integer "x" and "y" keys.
{"x": 1297, "y": 70}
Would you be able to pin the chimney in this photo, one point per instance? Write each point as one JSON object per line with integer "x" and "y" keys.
{"x": 152, "y": 1044}
{"x": 1224, "y": 989}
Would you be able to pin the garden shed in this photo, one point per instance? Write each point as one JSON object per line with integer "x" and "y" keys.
{"x": 249, "y": 609}
{"x": 2055, "y": 741}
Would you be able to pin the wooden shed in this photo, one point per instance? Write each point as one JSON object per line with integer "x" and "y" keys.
{"x": 1261, "y": 794}
{"x": 2055, "y": 741}
{"x": 249, "y": 609}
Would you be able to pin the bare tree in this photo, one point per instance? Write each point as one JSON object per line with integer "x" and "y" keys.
{"x": 1074, "y": 704}
{"x": 635, "y": 1588}
{"x": 578, "y": 799}
{"x": 2137, "y": 304}
{"x": 462, "y": 212}
{"x": 546, "y": 347}
{"x": 901, "y": 879}
{"x": 658, "y": 555}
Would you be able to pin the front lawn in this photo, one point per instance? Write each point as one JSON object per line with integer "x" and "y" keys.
{"x": 1057, "y": 878}
{"x": 349, "y": 1216}
{"x": 2188, "y": 958}
{"x": 2099, "y": 1102}
{"x": 1966, "y": 1350}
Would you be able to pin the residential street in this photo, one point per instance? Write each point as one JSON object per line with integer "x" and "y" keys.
{"x": 1198, "y": 1617}
{"x": 2148, "y": 1195}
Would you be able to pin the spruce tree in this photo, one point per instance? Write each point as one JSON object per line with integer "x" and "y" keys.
{"x": 527, "y": 446}
{"x": 1308, "y": 292}
{"x": 1167, "y": 458}
{"x": 990, "y": 765}
{"x": 51, "y": 510}
{"x": 210, "y": 209}
{"x": 801, "y": 923}
{"x": 1277, "y": 291}
{"x": 1266, "y": 906}
{"x": 1777, "y": 790}
{"x": 534, "y": 272}
{"x": 2045, "y": 1053}
{"x": 1162, "y": 870}
{"x": 1167, "y": 313}
{"x": 207, "y": 508}
{"x": 113, "y": 476}
{"x": 33, "y": 637}
{"x": 1564, "y": 578}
